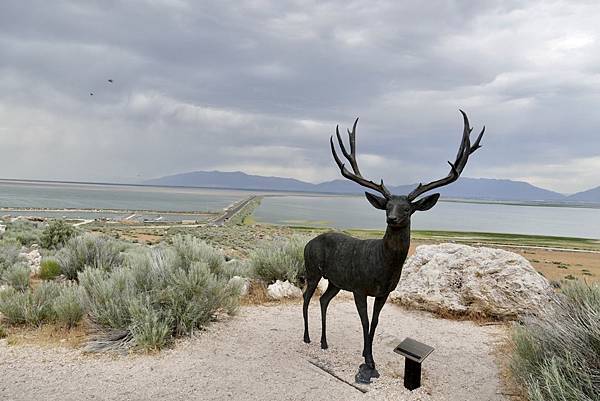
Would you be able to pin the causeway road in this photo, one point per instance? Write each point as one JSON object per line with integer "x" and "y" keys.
{"x": 232, "y": 210}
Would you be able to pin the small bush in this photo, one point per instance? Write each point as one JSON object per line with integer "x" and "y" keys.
{"x": 68, "y": 307}
{"x": 9, "y": 255}
{"x": 17, "y": 276}
{"x": 12, "y": 305}
{"x": 150, "y": 330}
{"x": 32, "y": 307}
{"x": 556, "y": 353}
{"x": 56, "y": 234}
{"x": 49, "y": 269}
{"x": 108, "y": 297}
{"x": 38, "y": 303}
{"x": 3, "y": 332}
{"x": 282, "y": 260}
{"x": 89, "y": 250}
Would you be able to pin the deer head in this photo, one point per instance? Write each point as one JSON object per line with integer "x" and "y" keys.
{"x": 399, "y": 208}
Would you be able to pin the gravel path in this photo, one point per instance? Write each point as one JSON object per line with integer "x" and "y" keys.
{"x": 259, "y": 355}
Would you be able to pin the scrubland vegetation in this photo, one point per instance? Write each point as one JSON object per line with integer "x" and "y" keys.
{"x": 557, "y": 353}
{"x": 129, "y": 296}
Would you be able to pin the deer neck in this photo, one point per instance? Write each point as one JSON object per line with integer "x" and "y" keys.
{"x": 396, "y": 242}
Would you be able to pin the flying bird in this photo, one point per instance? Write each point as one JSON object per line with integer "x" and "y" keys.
{"x": 91, "y": 94}
{"x": 110, "y": 80}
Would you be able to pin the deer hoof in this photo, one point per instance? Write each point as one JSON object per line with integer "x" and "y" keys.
{"x": 324, "y": 345}
{"x": 307, "y": 339}
{"x": 365, "y": 374}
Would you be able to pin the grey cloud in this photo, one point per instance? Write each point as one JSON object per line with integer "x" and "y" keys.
{"x": 260, "y": 85}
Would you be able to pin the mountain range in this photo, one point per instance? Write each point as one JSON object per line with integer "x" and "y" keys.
{"x": 464, "y": 188}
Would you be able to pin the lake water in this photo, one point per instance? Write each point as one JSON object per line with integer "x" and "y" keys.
{"x": 356, "y": 212}
{"x": 89, "y": 196}
{"x": 286, "y": 208}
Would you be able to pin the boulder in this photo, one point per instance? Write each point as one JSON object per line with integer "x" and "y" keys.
{"x": 283, "y": 289}
{"x": 33, "y": 259}
{"x": 466, "y": 280}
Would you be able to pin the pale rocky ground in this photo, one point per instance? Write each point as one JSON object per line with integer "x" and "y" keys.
{"x": 259, "y": 355}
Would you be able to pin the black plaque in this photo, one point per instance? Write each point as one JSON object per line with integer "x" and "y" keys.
{"x": 414, "y": 352}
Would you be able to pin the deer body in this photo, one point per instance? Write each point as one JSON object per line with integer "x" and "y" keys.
{"x": 371, "y": 267}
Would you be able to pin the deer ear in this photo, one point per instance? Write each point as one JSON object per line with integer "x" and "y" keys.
{"x": 426, "y": 203}
{"x": 377, "y": 201}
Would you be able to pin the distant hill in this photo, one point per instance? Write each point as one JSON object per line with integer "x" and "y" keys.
{"x": 466, "y": 188}
{"x": 591, "y": 195}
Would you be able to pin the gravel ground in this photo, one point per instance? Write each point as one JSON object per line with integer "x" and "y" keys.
{"x": 259, "y": 355}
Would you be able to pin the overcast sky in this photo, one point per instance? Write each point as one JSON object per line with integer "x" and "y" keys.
{"x": 259, "y": 86}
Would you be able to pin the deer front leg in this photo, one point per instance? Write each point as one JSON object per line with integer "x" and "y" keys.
{"x": 360, "y": 300}
{"x": 367, "y": 370}
{"x": 377, "y": 306}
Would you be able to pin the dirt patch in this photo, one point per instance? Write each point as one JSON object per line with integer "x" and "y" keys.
{"x": 259, "y": 355}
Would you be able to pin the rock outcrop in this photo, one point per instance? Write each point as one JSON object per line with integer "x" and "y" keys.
{"x": 465, "y": 280}
{"x": 33, "y": 259}
{"x": 283, "y": 289}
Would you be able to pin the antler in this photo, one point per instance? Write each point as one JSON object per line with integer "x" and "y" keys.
{"x": 356, "y": 176}
{"x": 459, "y": 164}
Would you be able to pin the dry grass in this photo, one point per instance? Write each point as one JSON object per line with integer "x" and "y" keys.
{"x": 48, "y": 335}
{"x": 257, "y": 294}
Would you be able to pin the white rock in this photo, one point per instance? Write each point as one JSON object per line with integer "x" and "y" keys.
{"x": 243, "y": 282}
{"x": 33, "y": 259}
{"x": 466, "y": 280}
{"x": 322, "y": 286}
{"x": 283, "y": 289}
{"x": 2, "y": 229}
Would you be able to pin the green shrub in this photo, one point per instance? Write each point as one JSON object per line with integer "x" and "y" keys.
{"x": 107, "y": 296}
{"x": 150, "y": 330}
{"x": 68, "y": 307}
{"x": 282, "y": 260}
{"x": 12, "y": 305}
{"x": 9, "y": 255}
{"x": 56, "y": 234}
{"x": 89, "y": 250}
{"x": 22, "y": 232}
{"x": 160, "y": 292}
{"x": 3, "y": 332}
{"x": 39, "y": 302}
{"x": 49, "y": 269}
{"x": 33, "y": 307}
{"x": 17, "y": 276}
{"x": 556, "y": 353}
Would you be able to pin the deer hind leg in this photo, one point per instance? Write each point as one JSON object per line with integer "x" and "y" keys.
{"x": 311, "y": 286}
{"x": 327, "y": 296}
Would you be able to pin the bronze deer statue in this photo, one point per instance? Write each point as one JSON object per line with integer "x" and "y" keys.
{"x": 371, "y": 267}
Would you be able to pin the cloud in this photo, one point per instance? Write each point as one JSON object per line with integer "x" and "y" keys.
{"x": 260, "y": 85}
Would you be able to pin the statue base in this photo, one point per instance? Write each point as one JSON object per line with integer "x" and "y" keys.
{"x": 365, "y": 374}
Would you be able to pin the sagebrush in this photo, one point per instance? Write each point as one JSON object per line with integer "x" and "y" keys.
{"x": 17, "y": 276}
{"x": 96, "y": 251}
{"x": 280, "y": 260}
{"x": 159, "y": 293}
{"x": 556, "y": 354}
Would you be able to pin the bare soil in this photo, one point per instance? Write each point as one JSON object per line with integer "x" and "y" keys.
{"x": 259, "y": 355}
